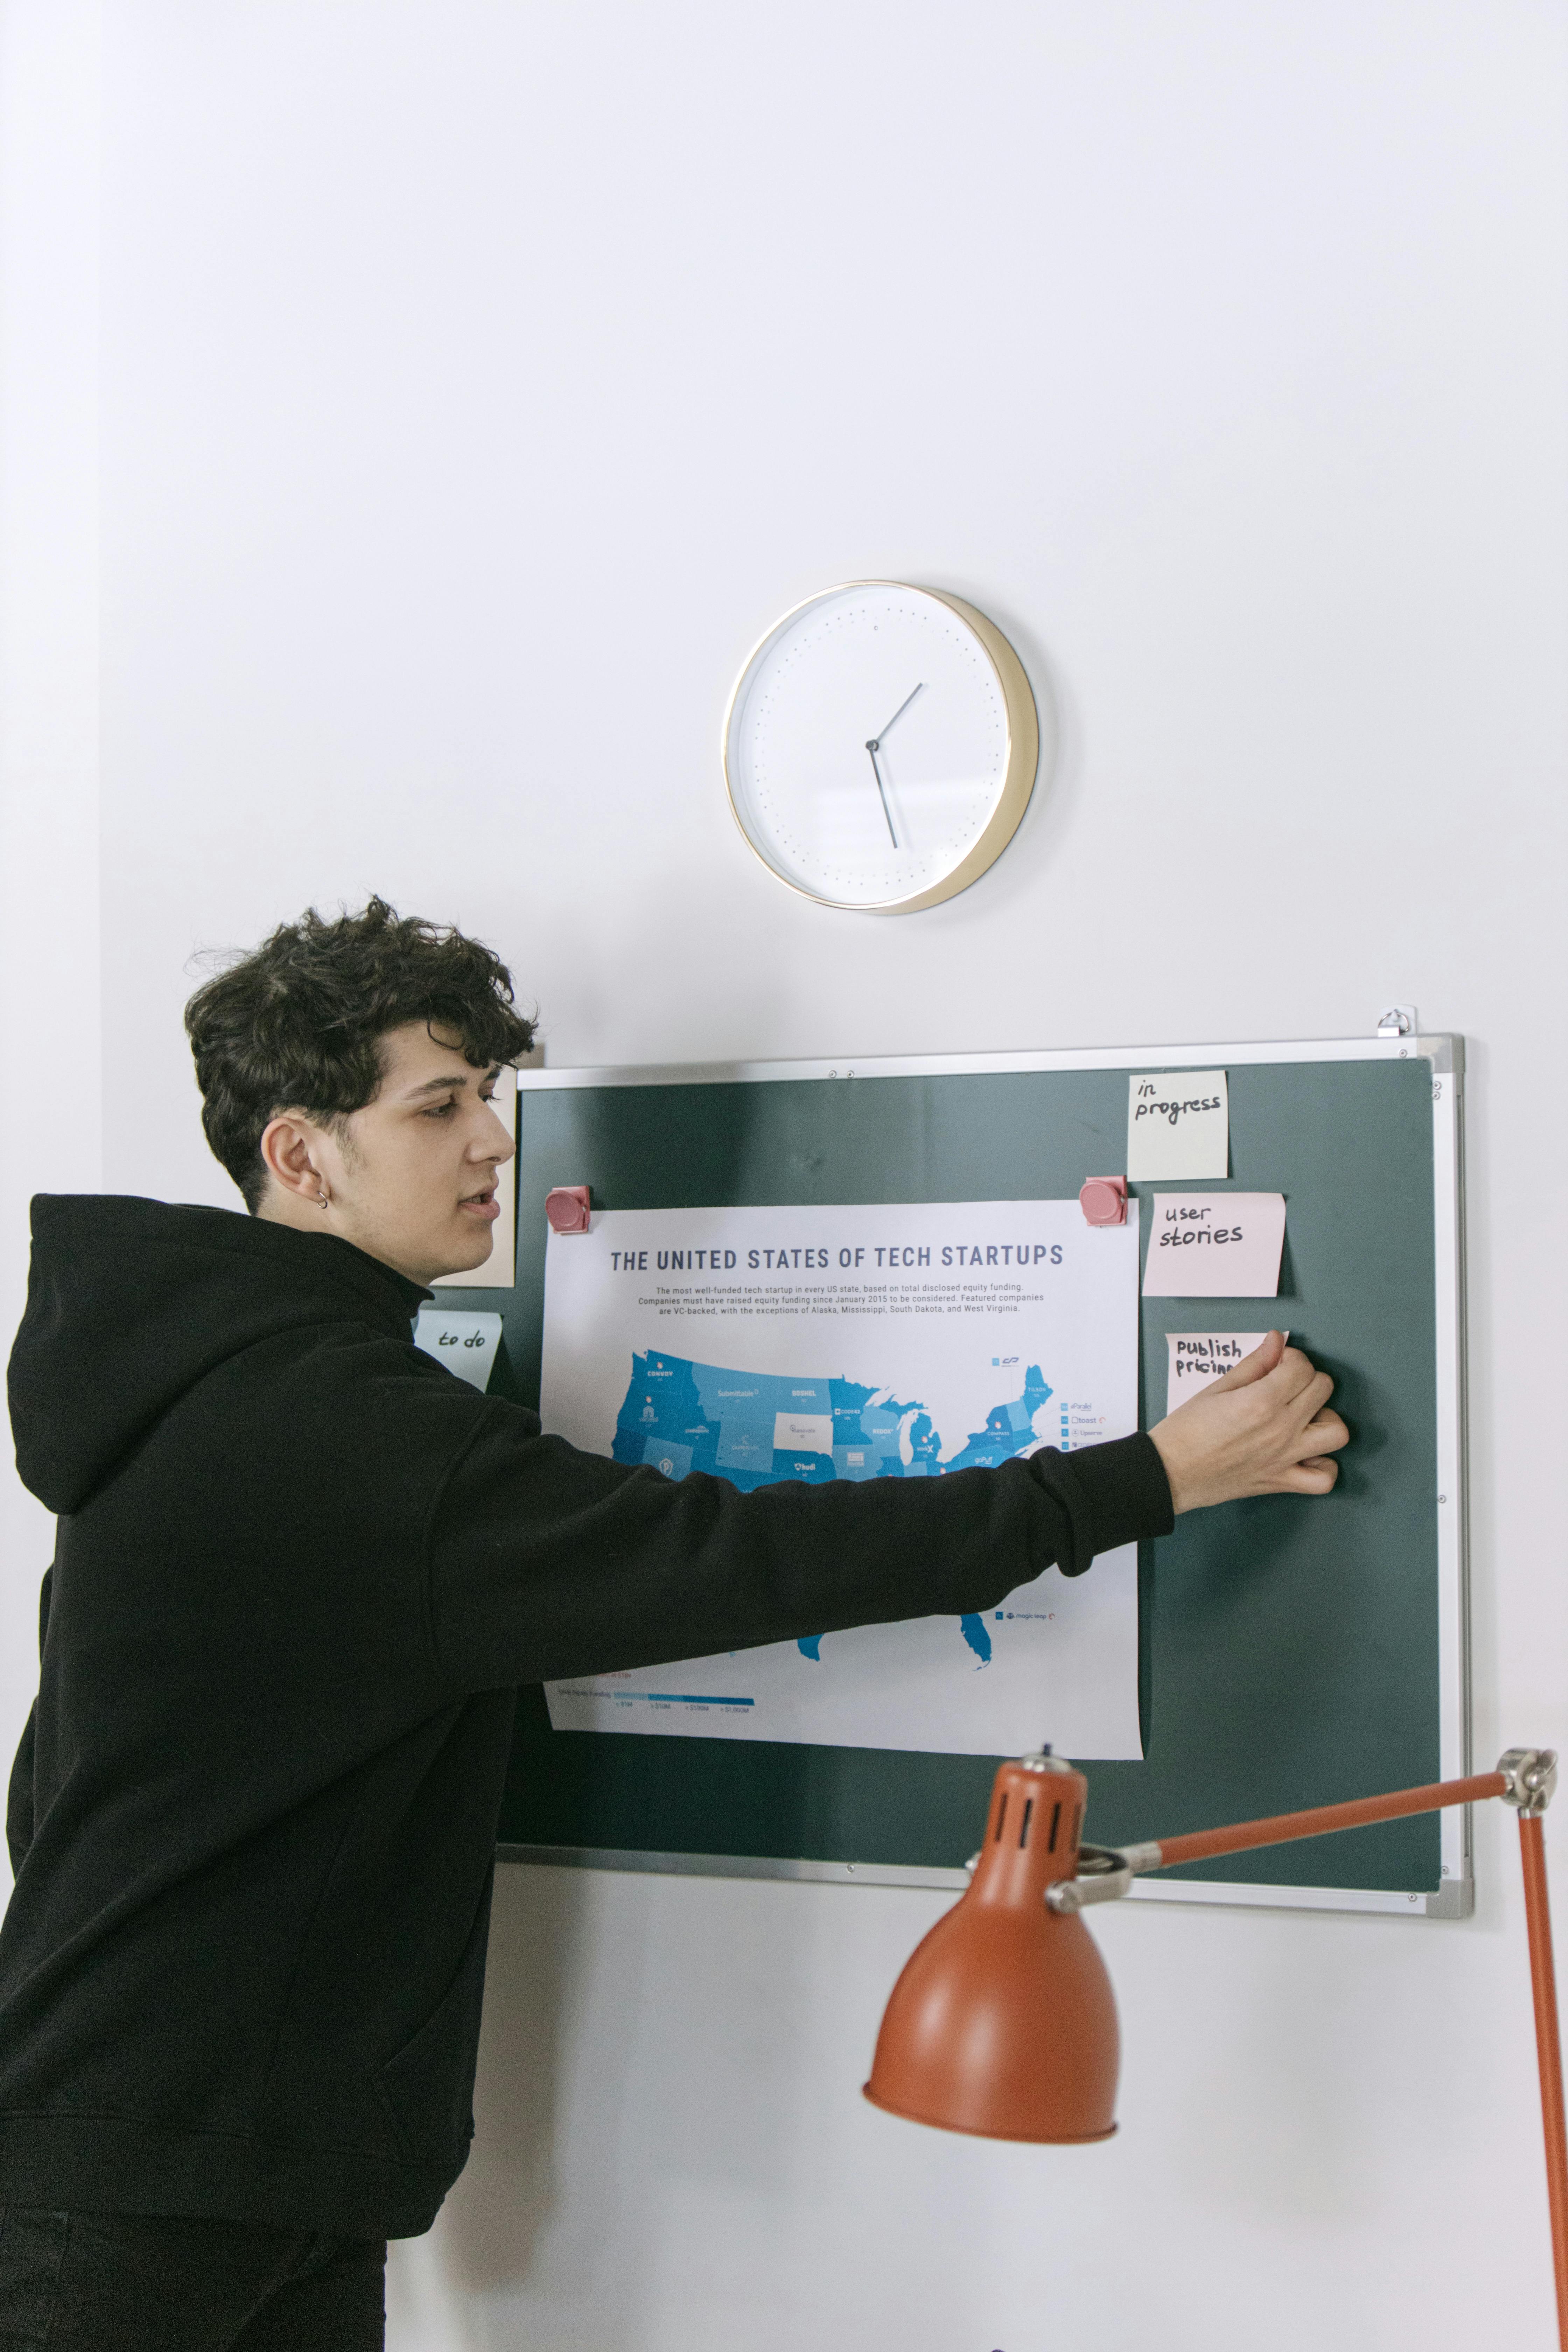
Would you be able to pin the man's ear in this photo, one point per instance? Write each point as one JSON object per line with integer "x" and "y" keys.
{"x": 291, "y": 1155}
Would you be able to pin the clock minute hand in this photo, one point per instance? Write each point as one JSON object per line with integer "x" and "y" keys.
{"x": 873, "y": 747}
{"x": 899, "y": 713}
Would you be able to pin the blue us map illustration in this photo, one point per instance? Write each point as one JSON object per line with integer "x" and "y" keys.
{"x": 756, "y": 1428}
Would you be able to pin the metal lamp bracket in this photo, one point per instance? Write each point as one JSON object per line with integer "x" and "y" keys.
{"x": 1531, "y": 1777}
{"x": 1104, "y": 1873}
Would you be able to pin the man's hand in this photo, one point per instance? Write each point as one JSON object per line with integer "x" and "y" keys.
{"x": 1264, "y": 1428}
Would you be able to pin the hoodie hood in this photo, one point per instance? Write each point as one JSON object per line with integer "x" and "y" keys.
{"x": 130, "y": 1302}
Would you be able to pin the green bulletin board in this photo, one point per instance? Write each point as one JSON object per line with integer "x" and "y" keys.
{"x": 1293, "y": 1652}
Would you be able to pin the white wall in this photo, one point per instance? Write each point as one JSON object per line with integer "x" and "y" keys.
{"x": 477, "y": 381}
{"x": 50, "y": 1059}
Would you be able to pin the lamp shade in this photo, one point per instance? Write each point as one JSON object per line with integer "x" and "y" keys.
{"x": 1003, "y": 2022}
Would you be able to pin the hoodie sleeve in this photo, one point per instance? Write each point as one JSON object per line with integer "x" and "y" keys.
{"x": 544, "y": 1561}
{"x": 20, "y": 1805}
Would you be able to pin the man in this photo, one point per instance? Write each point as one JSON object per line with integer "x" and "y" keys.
{"x": 300, "y": 1571}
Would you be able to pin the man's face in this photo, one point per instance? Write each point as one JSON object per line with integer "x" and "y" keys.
{"x": 412, "y": 1179}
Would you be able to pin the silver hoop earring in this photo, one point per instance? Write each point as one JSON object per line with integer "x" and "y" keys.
{"x": 322, "y": 1200}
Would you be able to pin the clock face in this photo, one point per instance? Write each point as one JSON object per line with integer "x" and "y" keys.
{"x": 876, "y": 746}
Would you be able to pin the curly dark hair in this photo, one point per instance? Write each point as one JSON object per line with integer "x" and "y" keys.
{"x": 296, "y": 1026}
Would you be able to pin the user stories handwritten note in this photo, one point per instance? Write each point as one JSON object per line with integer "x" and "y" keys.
{"x": 1215, "y": 1246}
{"x": 1178, "y": 1126}
{"x": 1196, "y": 1358}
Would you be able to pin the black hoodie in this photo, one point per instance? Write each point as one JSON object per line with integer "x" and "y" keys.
{"x": 299, "y": 1571}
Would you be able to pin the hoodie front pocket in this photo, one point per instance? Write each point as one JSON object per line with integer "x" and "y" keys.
{"x": 427, "y": 2089}
{"x": 32, "y": 2248}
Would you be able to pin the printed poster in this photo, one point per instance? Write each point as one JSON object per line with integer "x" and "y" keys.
{"x": 822, "y": 1343}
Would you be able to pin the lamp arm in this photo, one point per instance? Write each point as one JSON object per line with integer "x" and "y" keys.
{"x": 1548, "y": 2047}
{"x": 1527, "y": 1778}
{"x": 1279, "y": 1829}
{"x": 1108, "y": 1879}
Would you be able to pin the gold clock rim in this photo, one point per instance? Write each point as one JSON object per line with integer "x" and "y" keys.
{"x": 1017, "y": 784}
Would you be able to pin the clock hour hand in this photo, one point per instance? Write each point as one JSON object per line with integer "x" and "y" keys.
{"x": 872, "y": 747}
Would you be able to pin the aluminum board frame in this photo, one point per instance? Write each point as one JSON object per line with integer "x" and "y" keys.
{"x": 1455, "y": 1898}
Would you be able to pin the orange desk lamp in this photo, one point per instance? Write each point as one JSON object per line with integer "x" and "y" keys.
{"x": 1003, "y": 2022}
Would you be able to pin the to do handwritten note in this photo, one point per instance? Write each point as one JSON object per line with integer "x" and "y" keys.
{"x": 1215, "y": 1246}
{"x": 1178, "y": 1125}
{"x": 465, "y": 1344}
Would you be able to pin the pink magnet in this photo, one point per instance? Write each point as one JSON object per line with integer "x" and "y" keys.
{"x": 567, "y": 1209}
{"x": 1103, "y": 1200}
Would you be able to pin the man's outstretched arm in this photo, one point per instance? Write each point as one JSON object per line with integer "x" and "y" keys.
{"x": 544, "y": 1561}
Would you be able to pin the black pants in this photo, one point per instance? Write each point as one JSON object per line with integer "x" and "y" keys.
{"x": 125, "y": 2282}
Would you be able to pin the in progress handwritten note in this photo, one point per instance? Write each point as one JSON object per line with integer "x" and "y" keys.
{"x": 1178, "y": 1125}
{"x": 1215, "y": 1246}
{"x": 1199, "y": 1357}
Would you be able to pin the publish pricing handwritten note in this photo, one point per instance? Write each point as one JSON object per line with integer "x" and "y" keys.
{"x": 1215, "y": 1246}
{"x": 1178, "y": 1125}
{"x": 1199, "y": 1357}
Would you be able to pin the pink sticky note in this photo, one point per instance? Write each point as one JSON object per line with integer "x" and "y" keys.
{"x": 1103, "y": 1200}
{"x": 567, "y": 1209}
{"x": 1215, "y": 1246}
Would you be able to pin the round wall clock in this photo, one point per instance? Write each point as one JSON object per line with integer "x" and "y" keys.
{"x": 880, "y": 747}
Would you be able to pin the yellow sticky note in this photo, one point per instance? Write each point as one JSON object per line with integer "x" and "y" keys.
{"x": 1178, "y": 1126}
